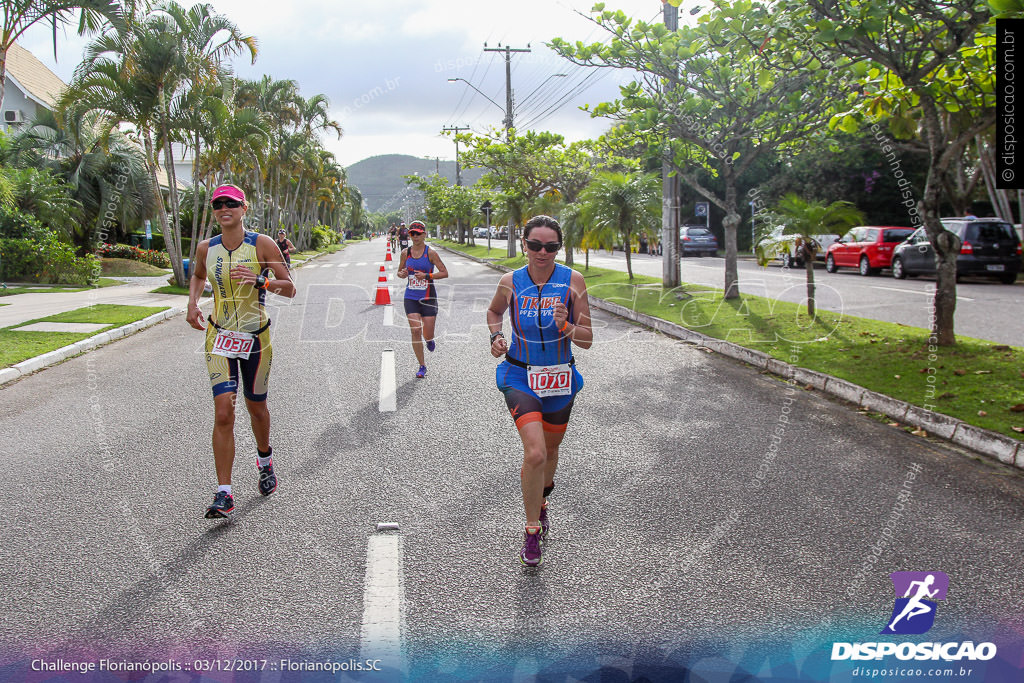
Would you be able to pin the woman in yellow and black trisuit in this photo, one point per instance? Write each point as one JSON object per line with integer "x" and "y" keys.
{"x": 242, "y": 266}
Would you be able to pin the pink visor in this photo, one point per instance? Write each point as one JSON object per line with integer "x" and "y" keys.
{"x": 229, "y": 191}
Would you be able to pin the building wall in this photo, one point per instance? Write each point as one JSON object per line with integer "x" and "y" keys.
{"x": 15, "y": 99}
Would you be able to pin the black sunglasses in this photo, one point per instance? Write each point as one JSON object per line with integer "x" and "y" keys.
{"x": 536, "y": 245}
{"x": 221, "y": 203}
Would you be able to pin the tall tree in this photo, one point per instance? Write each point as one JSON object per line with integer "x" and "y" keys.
{"x": 708, "y": 91}
{"x": 20, "y": 15}
{"x": 623, "y": 204}
{"x": 917, "y": 62}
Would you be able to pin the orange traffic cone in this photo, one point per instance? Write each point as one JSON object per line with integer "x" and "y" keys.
{"x": 388, "y": 257}
{"x": 383, "y": 294}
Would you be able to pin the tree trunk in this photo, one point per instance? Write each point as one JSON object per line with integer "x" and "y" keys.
{"x": 629, "y": 253}
{"x": 196, "y": 221}
{"x": 586, "y": 260}
{"x": 3, "y": 75}
{"x": 161, "y": 210}
{"x": 670, "y": 275}
{"x": 172, "y": 185}
{"x": 945, "y": 243}
{"x": 809, "y": 267}
{"x": 730, "y": 223}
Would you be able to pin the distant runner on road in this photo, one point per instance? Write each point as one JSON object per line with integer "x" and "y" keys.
{"x": 549, "y": 312}
{"x": 403, "y": 235}
{"x": 417, "y": 263}
{"x": 286, "y": 247}
{"x": 238, "y": 336}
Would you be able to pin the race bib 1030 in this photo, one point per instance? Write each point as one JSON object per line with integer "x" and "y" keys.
{"x": 232, "y": 344}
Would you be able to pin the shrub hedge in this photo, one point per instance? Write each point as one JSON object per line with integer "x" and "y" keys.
{"x": 152, "y": 256}
{"x": 46, "y": 260}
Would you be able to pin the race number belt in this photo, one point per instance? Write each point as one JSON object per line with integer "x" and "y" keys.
{"x": 548, "y": 380}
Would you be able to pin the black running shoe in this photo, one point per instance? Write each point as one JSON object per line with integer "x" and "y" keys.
{"x": 268, "y": 480}
{"x": 223, "y": 506}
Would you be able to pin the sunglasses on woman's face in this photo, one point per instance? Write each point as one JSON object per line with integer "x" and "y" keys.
{"x": 536, "y": 245}
{"x": 219, "y": 204}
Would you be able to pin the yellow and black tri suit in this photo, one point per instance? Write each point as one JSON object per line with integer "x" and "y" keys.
{"x": 240, "y": 307}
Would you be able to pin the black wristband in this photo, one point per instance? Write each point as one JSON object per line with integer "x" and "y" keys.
{"x": 496, "y": 335}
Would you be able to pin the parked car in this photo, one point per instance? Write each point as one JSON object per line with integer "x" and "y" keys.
{"x": 697, "y": 239}
{"x": 787, "y": 247}
{"x": 989, "y": 247}
{"x": 479, "y": 231}
{"x": 867, "y": 248}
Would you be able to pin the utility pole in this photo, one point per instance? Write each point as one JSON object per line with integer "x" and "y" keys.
{"x": 458, "y": 174}
{"x": 670, "y": 275}
{"x": 509, "y": 121}
{"x": 458, "y": 167}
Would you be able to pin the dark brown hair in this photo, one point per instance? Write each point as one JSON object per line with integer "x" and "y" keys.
{"x": 542, "y": 221}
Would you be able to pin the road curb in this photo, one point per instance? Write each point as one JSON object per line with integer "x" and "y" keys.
{"x": 1003, "y": 448}
{"x": 27, "y": 367}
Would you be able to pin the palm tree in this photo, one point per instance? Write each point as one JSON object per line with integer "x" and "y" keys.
{"x": 622, "y": 203}
{"x": 20, "y": 15}
{"x": 137, "y": 73}
{"x": 106, "y": 174}
{"x": 803, "y": 220}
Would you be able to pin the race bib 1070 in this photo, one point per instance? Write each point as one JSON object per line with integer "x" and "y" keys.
{"x": 551, "y": 380}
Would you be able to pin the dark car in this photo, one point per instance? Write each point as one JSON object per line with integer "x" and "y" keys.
{"x": 867, "y": 248}
{"x": 989, "y": 247}
{"x": 697, "y": 240}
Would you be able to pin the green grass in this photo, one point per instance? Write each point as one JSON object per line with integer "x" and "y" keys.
{"x": 175, "y": 289}
{"x": 123, "y": 267}
{"x": 480, "y": 250}
{"x": 18, "y": 346}
{"x": 975, "y": 376}
{"x": 50, "y": 289}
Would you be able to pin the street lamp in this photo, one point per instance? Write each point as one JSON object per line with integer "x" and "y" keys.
{"x": 452, "y": 80}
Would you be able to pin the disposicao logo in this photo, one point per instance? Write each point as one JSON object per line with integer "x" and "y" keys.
{"x": 914, "y": 614}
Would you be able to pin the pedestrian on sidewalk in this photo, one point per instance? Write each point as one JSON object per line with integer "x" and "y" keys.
{"x": 417, "y": 263}
{"x": 242, "y": 266}
{"x": 549, "y": 312}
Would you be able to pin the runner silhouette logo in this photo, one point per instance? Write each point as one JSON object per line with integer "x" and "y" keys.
{"x": 916, "y": 596}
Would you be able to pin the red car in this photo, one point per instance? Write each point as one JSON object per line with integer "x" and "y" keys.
{"x": 867, "y": 248}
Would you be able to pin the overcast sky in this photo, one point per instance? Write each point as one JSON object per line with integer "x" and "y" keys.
{"x": 384, "y": 64}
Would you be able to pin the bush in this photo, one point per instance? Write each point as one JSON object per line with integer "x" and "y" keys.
{"x": 323, "y": 237}
{"x": 156, "y": 242}
{"x": 47, "y": 261}
{"x": 152, "y": 256}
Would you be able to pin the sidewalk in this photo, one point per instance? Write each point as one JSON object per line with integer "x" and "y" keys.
{"x": 25, "y": 307}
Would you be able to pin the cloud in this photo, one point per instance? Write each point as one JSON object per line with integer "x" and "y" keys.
{"x": 384, "y": 66}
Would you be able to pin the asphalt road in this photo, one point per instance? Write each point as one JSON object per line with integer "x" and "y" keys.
{"x": 675, "y": 519}
{"x": 985, "y": 308}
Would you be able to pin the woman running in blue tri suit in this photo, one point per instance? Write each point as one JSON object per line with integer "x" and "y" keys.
{"x": 549, "y": 313}
{"x": 417, "y": 263}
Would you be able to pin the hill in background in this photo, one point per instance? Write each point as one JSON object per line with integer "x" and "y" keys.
{"x": 380, "y": 179}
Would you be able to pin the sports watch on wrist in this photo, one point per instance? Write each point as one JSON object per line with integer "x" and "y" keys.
{"x": 261, "y": 282}
{"x": 496, "y": 335}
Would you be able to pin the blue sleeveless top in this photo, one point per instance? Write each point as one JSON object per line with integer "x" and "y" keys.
{"x": 421, "y": 264}
{"x": 535, "y": 337}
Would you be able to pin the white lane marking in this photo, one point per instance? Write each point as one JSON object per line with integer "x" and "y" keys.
{"x": 389, "y": 316}
{"x": 344, "y": 265}
{"x": 383, "y": 598}
{"x": 361, "y": 263}
{"x": 916, "y": 291}
{"x": 387, "y": 401}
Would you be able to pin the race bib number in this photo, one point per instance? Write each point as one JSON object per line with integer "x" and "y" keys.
{"x": 231, "y": 344}
{"x": 418, "y": 285}
{"x": 552, "y": 380}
